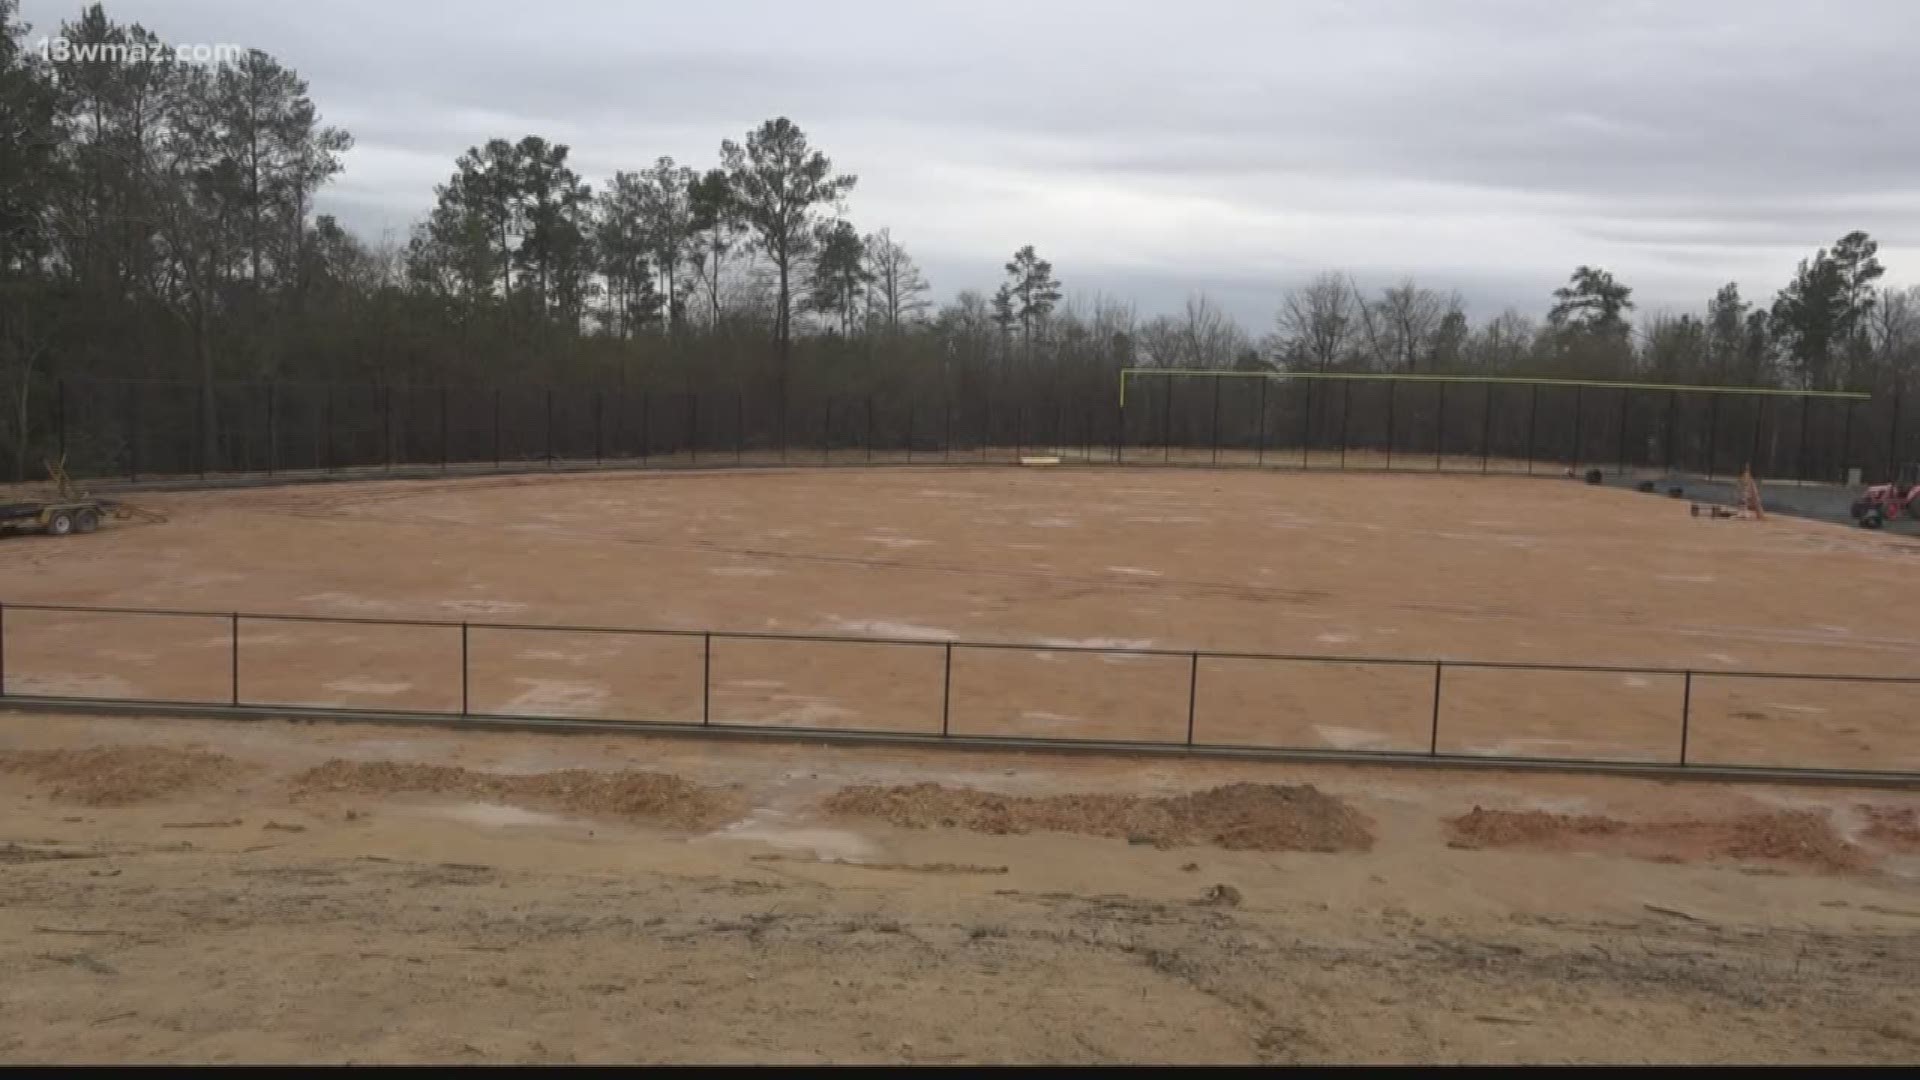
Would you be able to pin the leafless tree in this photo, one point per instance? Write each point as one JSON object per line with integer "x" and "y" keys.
{"x": 1317, "y": 324}
{"x": 898, "y": 295}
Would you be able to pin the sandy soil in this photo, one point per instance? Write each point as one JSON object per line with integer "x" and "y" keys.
{"x": 1485, "y": 568}
{"x": 323, "y": 892}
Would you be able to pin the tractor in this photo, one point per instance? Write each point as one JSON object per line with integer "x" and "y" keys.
{"x": 1883, "y": 502}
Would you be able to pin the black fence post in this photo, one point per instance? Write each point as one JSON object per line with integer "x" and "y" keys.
{"x": 1214, "y": 423}
{"x": 1579, "y": 415}
{"x": 739, "y": 425}
{"x": 549, "y": 427}
{"x": 646, "y": 425}
{"x": 464, "y": 668}
{"x": 273, "y": 432}
{"x": 826, "y": 435}
{"x": 1346, "y": 400}
{"x": 1759, "y": 425}
{"x": 946, "y": 437}
{"x": 3, "y": 649}
{"x": 1846, "y": 440}
{"x": 1893, "y": 438}
{"x": 133, "y": 434}
{"x": 60, "y": 418}
{"x": 1439, "y": 427}
{"x": 1119, "y": 431}
{"x": 1393, "y": 392}
{"x": 386, "y": 426}
{"x": 1193, "y": 693}
{"x": 326, "y": 421}
{"x": 1260, "y": 436}
{"x": 1486, "y": 431}
{"x": 693, "y": 428}
{"x": 599, "y": 426}
{"x": 1166, "y": 422}
{"x": 1673, "y": 427}
{"x": 1433, "y": 743}
{"x": 910, "y": 409}
{"x": 1686, "y": 714}
{"x": 946, "y": 693}
{"x": 1019, "y": 429}
{"x": 1713, "y": 430}
{"x": 233, "y": 661}
{"x": 1800, "y": 459}
{"x": 446, "y": 443}
{"x": 869, "y": 428}
{"x": 1533, "y": 423}
{"x": 1625, "y": 395}
{"x": 1306, "y": 428}
{"x": 200, "y": 431}
{"x": 706, "y": 679}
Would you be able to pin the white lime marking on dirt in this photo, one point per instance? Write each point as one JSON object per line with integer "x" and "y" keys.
{"x": 1051, "y": 719}
{"x": 1099, "y": 643}
{"x": 543, "y": 695}
{"x": 482, "y": 607}
{"x": 494, "y": 815}
{"x": 1053, "y": 523}
{"x": 741, "y": 571}
{"x": 63, "y": 684}
{"x": 368, "y": 686}
{"x": 1795, "y": 708}
{"x": 1333, "y": 639}
{"x": 1176, "y": 519}
{"x": 897, "y": 541}
{"x": 755, "y": 684}
{"x": 1134, "y": 570}
{"x": 768, "y": 826}
{"x": 1346, "y": 738}
{"x": 348, "y": 601}
{"x": 1634, "y": 681}
{"x": 887, "y": 628}
{"x": 804, "y": 709}
{"x": 1722, "y": 658}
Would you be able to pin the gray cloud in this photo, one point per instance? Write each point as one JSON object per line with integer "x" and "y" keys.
{"x": 1155, "y": 150}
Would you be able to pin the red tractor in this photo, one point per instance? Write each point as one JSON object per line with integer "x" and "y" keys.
{"x": 1884, "y": 501}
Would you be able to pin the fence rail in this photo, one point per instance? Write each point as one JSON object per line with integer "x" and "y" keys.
{"x": 988, "y": 691}
{"x": 157, "y": 428}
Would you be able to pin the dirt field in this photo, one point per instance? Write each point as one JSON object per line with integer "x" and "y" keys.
{"x": 1499, "y": 569}
{"x": 226, "y": 891}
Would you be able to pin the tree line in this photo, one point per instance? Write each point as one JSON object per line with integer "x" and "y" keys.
{"x": 158, "y": 221}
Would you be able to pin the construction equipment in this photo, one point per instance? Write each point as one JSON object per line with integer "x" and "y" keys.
{"x": 1883, "y": 502}
{"x": 66, "y": 510}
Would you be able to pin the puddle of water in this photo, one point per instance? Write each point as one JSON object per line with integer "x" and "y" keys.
{"x": 774, "y": 829}
{"x": 493, "y": 815}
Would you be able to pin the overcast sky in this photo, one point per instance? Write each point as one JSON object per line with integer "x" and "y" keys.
{"x": 1156, "y": 149}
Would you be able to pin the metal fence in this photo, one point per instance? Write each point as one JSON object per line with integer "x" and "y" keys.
{"x": 965, "y": 692}
{"x": 147, "y": 429}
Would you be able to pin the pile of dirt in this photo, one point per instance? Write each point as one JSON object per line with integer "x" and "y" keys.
{"x": 659, "y": 797}
{"x": 1805, "y": 837}
{"x": 1256, "y": 817}
{"x": 119, "y": 775}
{"x": 1898, "y": 828}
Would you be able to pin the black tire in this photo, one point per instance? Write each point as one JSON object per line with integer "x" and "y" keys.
{"x": 86, "y": 521}
{"x": 1873, "y": 518}
{"x": 60, "y": 523}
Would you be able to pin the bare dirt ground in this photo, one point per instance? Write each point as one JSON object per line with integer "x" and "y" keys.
{"x": 325, "y": 892}
{"x": 1480, "y": 568}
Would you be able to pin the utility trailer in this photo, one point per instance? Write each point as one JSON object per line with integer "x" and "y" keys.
{"x": 59, "y": 517}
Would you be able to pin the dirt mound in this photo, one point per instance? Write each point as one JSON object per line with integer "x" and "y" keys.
{"x": 119, "y": 775}
{"x": 1797, "y": 836}
{"x": 1899, "y": 828}
{"x": 1258, "y": 817}
{"x": 660, "y": 797}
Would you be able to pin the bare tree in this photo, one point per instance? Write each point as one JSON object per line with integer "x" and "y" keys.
{"x": 898, "y": 294}
{"x": 1201, "y": 336}
{"x": 1316, "y": 325}
{"x": 1409, "y": 319}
